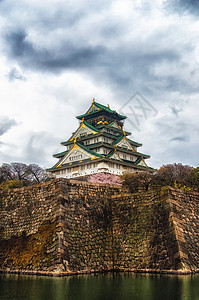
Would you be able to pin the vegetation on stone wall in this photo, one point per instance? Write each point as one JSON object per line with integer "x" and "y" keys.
{"x": 194, "y": 178}
{"x": 141, "y": 231}
{"x": 10, "y": 184}
{"x": 29, "y": 252}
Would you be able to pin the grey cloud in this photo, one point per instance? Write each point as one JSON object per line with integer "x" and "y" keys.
{"x": 68, "y": 15}
{"x": 179, "y": 139}
{"x": 68, "y": 33}
{"x": 126, "y": 67}
{"x": 182, "y": 6}
{"x": 34, "y": 150}
{"x": 176, "y": 111}
{"x": 15, "y": 74}
{"x": 174, "y": 129}
{"x": 68, "y": 45}
{"x": 74, "y": 57}
{"x": 175, "y": 142}
{"x": 68, "y": 55}
{"x": 45, "y": 19}
{"x": 18, "y": 45}
{"x": 6, "y": 124}
{"x": 179, "y": 105}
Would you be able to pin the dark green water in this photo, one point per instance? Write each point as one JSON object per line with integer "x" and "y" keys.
{"x": 100, "y": 287}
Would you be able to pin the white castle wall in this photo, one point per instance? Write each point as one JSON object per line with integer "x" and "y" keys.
{"x": 93, "y": 168}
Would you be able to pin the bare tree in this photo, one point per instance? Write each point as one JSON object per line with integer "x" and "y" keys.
{"x": 20, "y": 170}
{"x": 36, "y": 173}
{"x": 26, "y": 174}
{"x": 171, "y": 173}
{"x": 6, "y": 172}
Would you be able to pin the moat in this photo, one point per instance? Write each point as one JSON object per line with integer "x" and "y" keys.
{"x": 100, "y": 287}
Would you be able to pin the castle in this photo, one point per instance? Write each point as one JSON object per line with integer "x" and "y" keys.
{"x": 100, "y": 144}
{"x": 66, "y": 226}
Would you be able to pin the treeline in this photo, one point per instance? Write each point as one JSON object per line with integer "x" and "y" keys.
{"x": 15, "y": 175}
{"x": 180, "y": 176}
{"x": 175, "y": 175}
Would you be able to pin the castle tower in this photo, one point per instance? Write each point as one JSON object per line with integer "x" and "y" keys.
{"x": 100, "y": 144}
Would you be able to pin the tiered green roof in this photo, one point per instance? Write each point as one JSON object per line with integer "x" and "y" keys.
{"x": 100, "y": 109}
{"x": 104, "y": 128}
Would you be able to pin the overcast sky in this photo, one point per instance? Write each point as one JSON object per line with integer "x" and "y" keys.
{"x": 141, "y": 57}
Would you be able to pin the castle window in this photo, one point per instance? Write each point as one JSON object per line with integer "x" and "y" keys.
{"x": 76, "y": 157}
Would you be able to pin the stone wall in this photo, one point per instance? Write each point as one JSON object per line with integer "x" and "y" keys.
{"x": 143, "y": 236}
{"x": 28, "y": 218}
{"x": 84, "y": 228}
{"x": 66, "y": 226}
{"x": 79, "y": 212}
{"x": 184, "y": 214}
{"x": 24, "y": 209}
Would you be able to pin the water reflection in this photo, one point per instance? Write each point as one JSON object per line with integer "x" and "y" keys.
{"x": 100, "y": 287}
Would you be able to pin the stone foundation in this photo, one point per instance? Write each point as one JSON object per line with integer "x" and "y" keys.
{"x": 71, "y": 227}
